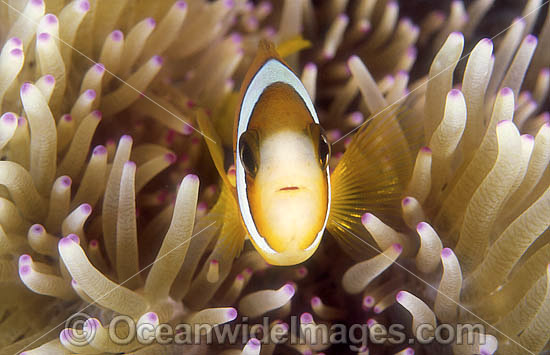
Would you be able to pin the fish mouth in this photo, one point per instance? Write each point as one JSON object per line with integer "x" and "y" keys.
{"x": 289, "y": 188}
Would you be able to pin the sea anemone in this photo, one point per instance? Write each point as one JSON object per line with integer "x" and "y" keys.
{"x": 102, "y": 217}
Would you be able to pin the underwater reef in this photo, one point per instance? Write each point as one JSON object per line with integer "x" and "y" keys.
{"x": 112, "y": 213}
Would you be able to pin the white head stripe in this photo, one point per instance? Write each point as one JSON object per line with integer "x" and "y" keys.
{"x": 273, "y": 71}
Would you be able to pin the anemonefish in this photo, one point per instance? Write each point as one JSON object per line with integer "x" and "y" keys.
{"x": 283, "y": 189}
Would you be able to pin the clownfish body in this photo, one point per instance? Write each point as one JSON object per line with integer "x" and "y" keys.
{"x": 282, "y": 182}
{"x": 281, "y": 156}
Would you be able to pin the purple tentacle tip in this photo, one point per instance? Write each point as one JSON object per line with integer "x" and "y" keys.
{"x": 270, "y": 31}
{"x": 406, "y": 21}
{"x": 25, "y": 88}
{"x": 530, "y": 39}
{"x": 236, "y": 37}
{"x": 157, "y": 59}
{"x": 526, "y": 95}
{"x": 100, "y": 68}
{"x": 126, "y": 137}
{"x": 65, "y": 181}
{"x": 315, "y": 301}
{"x": 117, "y": 35}
{"x": 232, "y": 313}
{"x": 397, "y": 247}
{"x": 254, "y": 343}
{"x": 357, "y": 117}
{"x": 49, "y": 79}
{"x": 16, "y": 41}
{"x": 456, "y": 34}
{"x": 74, "y": 238}
{"x": 353, "y": 57}
{"x": 130, "y": 164}
{"x": 421, "y": 226}
{"x": 486, "y": 41}
{"x": 90, "y": 94}
{"x": 310, "y": 66}
{"x": 400, "y": 296}
{"x": 97, "y": 114}
{"x": 504, "y": 123}
{"x": 99, "y": 150}
{"x": 152, "y": 317}
{"x": 368, "y": 301}
{"x": 16, "y": 52}
{"x": 37, "y": 2}
{"x": 454, "y": 93}
{"x": 9, "y": 118}
{"x": 181, "y": 5}
{"x": 506, "y": 91}
{"x": 446, "y": 252}
{"x": 187, "y": 129}
{"x": 170, "y": 157}
{"x": 25, "y": 259}
{"x": 44, "y": 36}
{"x": 426, "y": 150}
{"x": 151, "y": 21}
{"x": 528, "y": 137}
{"x": 406, "y": 201}
{"x": 192, "y": 177}
{"x": 94, "y": 243}
{"x": 86, "y": 208}
{"x": 409, "y": 351}
{"x": 84, "y": 5}
{"x": 366, "y": 218}
{"x": 37, "y": 228}
{"x": 63, "y": 242}
{"x": 51, "y": 19}
{"x": 518, "y": 19}
{"x": 306, "y": 318}
{"x": 289, "y": 289}
{"x": 344, "y": 17}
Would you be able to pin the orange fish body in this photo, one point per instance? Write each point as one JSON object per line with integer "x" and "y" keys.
{"x": 281, "y": 155}
{"x": 283, "y": 193}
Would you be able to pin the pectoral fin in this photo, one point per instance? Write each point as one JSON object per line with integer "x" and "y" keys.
{"x": 370, "y": 177}
{"x": 214, "y": 144}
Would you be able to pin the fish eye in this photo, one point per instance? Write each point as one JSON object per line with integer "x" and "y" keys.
{"x": 248, "y": 143}
{"x": 323, "y": 147}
